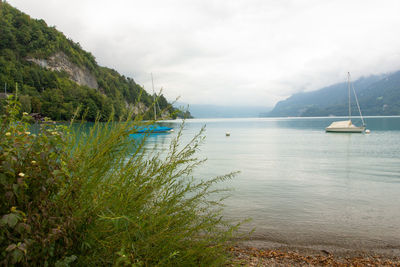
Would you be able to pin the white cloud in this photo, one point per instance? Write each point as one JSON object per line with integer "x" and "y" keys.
{"x": 232, "y": 52}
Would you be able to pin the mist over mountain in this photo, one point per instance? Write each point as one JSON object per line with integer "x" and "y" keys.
{"x": 216, "y": 111}
{"x": 377, "y": 95}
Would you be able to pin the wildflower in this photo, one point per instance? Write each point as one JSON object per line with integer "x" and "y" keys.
{"x": 21, "y": 174}
{"x": 8, "y": 133}
{"x": 27, "y": 132}
{"x": 13, "y": 209}
{"x": 25, "y": 113}
{"x": 33, "y": 161}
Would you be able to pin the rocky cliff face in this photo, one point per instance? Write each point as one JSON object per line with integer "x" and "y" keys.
{"x": 60, "y": 62}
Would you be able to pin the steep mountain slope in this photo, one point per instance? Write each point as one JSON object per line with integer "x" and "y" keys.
{"x": 55, "y": 75}
{"x": 382, "y": 97}
{"x": 378, "y": 95}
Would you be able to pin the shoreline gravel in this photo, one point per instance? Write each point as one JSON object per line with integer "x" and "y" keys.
{"x": 285, "y": 256}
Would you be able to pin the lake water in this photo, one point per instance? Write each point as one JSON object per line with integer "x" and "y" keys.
{"x": 301, "y": 185}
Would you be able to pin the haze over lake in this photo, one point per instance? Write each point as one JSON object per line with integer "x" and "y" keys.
{"x": 301, "y": 185}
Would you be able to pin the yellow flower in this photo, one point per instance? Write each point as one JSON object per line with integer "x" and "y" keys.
{"x": 33, "y": 162}
{"x": 21, "y": 174}
{"x": 25, "y": 113}
{"x": 13, "y": 209}
{"x": 27, "y": 132}
{"x": 8, "y": 133}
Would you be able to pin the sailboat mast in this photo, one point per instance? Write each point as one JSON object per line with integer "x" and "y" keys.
{"x": 358, "y": 105}
{"x": 154, "y": 95}
{"x": 348, "y": 86}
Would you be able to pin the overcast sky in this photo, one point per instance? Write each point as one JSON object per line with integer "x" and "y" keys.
{"x": 235, "y": 52}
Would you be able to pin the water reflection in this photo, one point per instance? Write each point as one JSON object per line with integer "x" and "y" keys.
{"x": 299, "y": 183}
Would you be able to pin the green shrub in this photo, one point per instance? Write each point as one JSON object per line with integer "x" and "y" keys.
{"x": 98, "y": 197}
{"x": 35, "y": 225}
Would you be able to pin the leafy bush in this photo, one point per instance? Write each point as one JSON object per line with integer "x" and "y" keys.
{"x": 98, "y": 197}
{"x": 36, "y": 224}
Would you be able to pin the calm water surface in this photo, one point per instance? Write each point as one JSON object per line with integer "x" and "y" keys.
{"x": 301, "y": 185}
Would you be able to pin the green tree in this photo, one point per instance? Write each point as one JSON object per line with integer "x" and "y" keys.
{"x": 36, "y": 105}
{"x": 25, "y": 101}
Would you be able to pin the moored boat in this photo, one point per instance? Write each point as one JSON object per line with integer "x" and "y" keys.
{"x": 344, "y": 127}
{"x": 347, "y": 126}
{"x": 154, "y": 129}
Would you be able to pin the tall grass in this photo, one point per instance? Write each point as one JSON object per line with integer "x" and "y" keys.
{"x": 144, "y": 207}
{"x": 130, "y": 206}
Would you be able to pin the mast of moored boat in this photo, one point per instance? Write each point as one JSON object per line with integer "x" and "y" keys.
{"x": 358, "y": 105}
{"x": 154, "y": 96}
{"x": 348, "y": 87}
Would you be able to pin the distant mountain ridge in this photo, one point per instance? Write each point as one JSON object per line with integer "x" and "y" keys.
{"x": 377, "y": 95}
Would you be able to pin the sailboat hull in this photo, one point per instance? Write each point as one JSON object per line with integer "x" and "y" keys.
{"x": 345, "y": 130}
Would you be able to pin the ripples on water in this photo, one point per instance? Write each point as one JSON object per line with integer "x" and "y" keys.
{"x": 302, "y": 185}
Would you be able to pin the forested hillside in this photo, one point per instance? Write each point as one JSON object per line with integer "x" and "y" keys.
{"x": 377, "y": 95}
{"x": 55, "y": 75}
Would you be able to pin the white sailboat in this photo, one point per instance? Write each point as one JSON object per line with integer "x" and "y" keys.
{"x": 347, "y": 126}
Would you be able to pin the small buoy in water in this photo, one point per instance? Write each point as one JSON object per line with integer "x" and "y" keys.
{"x": 228, "y": 134}
{"x": 367, "y": 131}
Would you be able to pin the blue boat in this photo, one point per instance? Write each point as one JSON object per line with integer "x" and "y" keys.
{"x": 154, "y": 129}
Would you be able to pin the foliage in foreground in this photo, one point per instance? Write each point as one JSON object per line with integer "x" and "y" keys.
{"x": 70, "y": 196}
